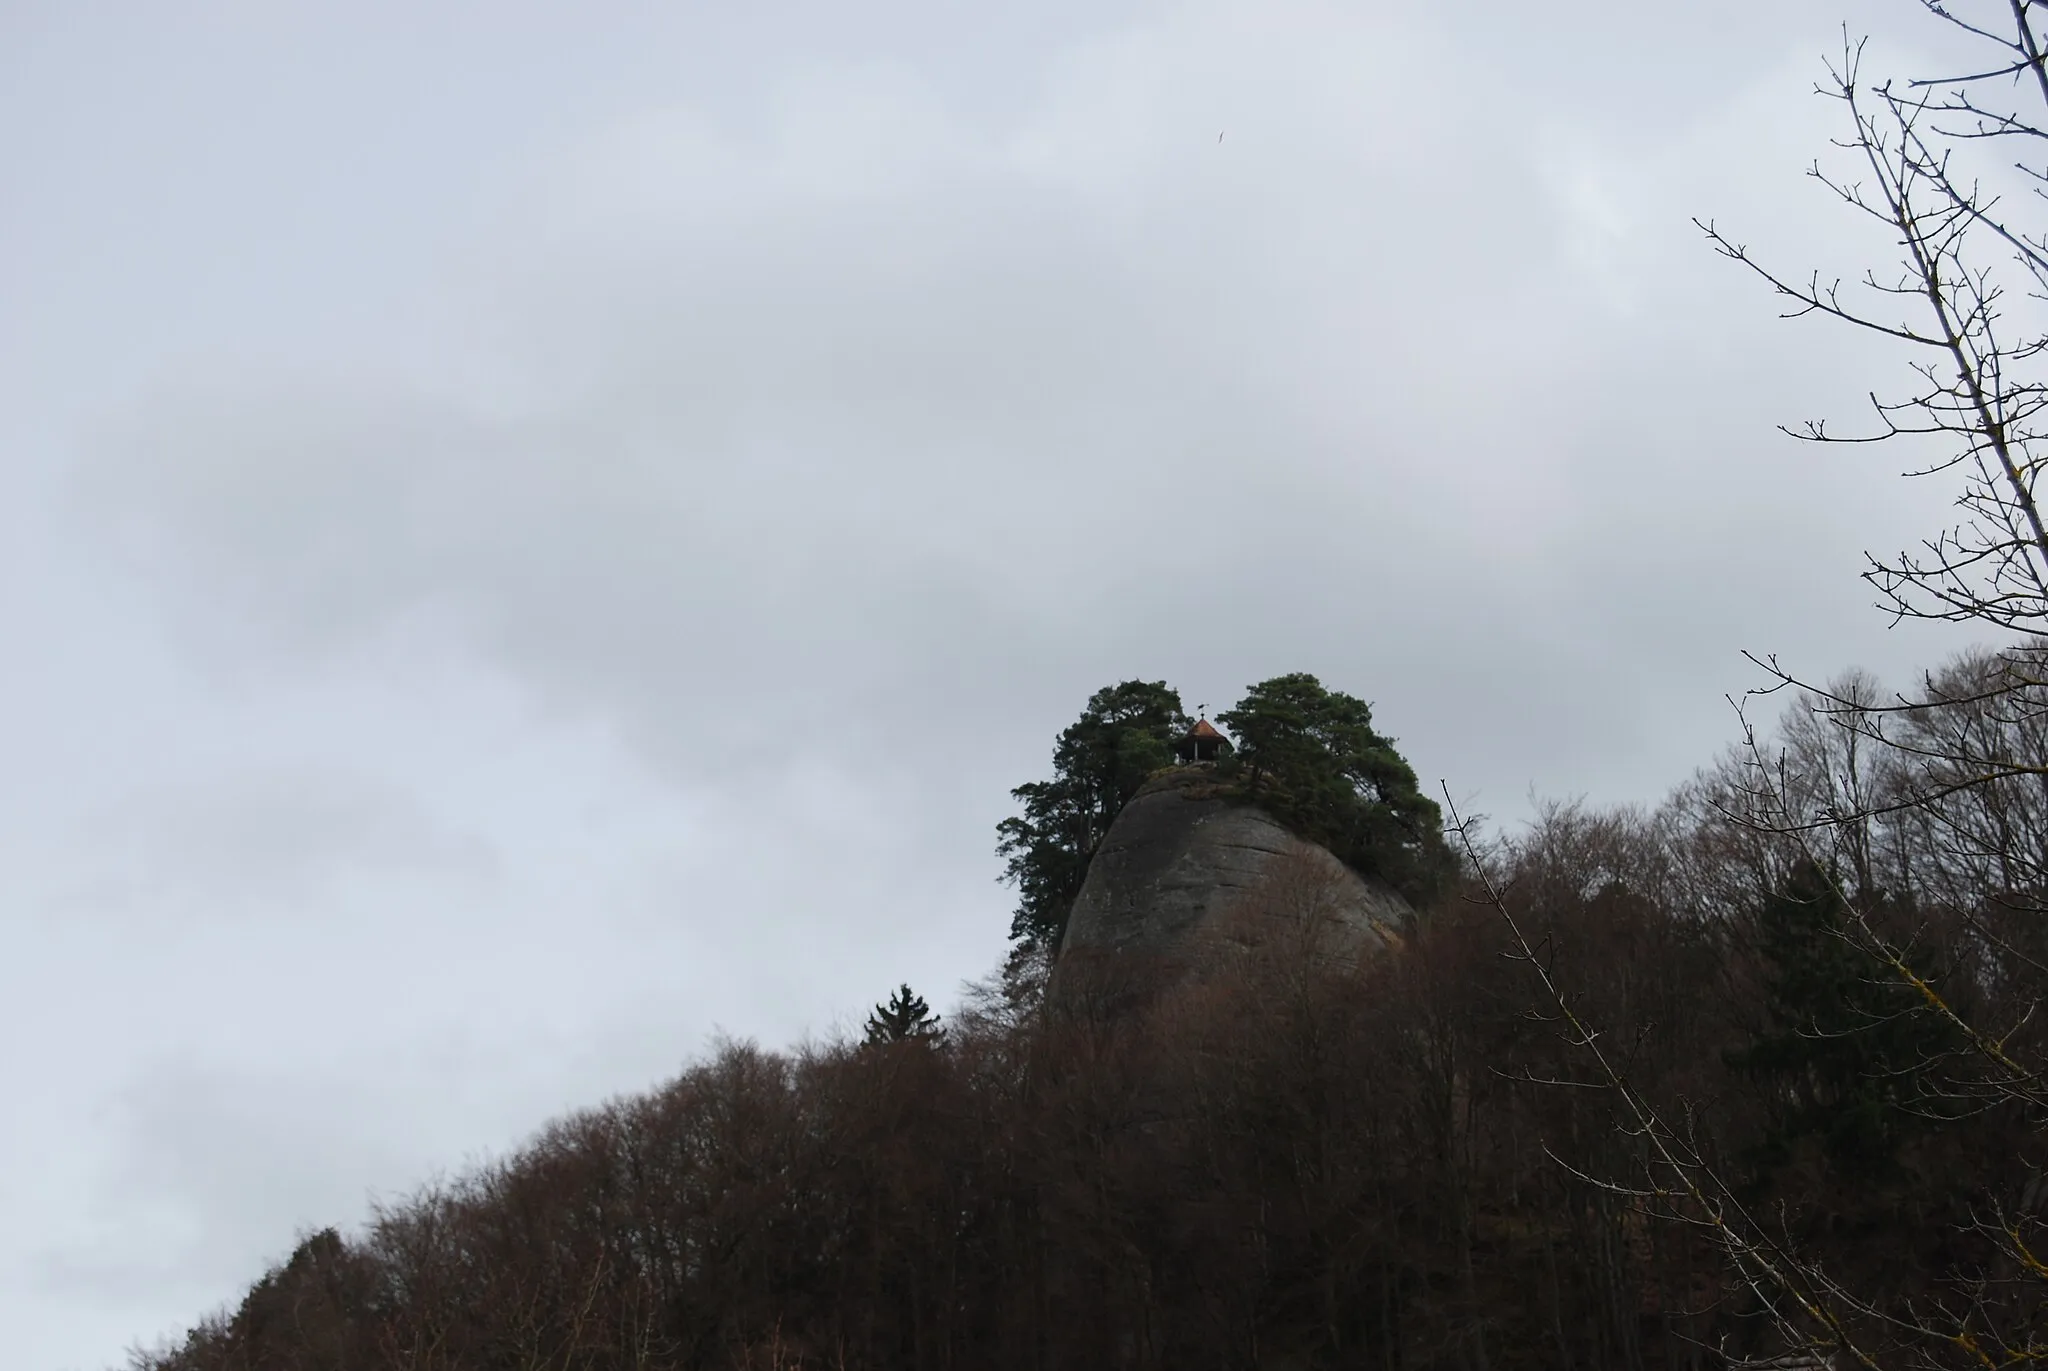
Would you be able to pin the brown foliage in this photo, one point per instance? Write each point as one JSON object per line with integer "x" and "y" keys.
{"x": 1285, "y": 1155}
{"x": 1292, "y": 1161}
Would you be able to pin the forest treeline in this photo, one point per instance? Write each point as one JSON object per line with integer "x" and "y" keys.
{"x": 1285, "y": 1164}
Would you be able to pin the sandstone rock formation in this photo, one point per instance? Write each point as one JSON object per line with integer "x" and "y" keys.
{"x": 1186, "y": 875}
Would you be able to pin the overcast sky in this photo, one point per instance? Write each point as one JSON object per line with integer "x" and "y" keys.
{"x": 531, "y": 534}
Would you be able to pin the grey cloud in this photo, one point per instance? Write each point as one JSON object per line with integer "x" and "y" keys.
{"x": 272, "y": 843}
{"x": 951, "y": 415}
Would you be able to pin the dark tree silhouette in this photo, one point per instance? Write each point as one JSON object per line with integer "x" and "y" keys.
{"x": 1125, "y": 734}
{"x": 1311, "y": 756}
{"x": 905, "y": 1016}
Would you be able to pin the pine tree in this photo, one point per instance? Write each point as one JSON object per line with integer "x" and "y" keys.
{"x": 1125, "y": 734}
{"x": 904, "y": 1018}
{"x": 1311, "y": 756}
{"x": 1842, "y": 1051}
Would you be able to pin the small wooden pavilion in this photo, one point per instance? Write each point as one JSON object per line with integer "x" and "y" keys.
{"x": 1202, "y": 743}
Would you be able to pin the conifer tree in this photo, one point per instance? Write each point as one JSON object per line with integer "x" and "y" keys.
{"x": 905, "y": 1016}
{"x": 1311, "y": 756}
{"x": 1843, "y": 1046}
{"x": 1125, "y": 734}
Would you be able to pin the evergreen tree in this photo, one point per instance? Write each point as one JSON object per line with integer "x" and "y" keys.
{"x": 1125, "y": 734}
{"x": 1841, "y": 1051}
{"x": 905, "y": 1016}
{"x": 1311, "y": 756}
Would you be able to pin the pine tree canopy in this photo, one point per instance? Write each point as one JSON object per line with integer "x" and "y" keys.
{"x": 1125, "y": 734}
{"x": 906, "y": 1016}
{"x": 1842, "y": 1052}
{"x": 1311, "y": 757}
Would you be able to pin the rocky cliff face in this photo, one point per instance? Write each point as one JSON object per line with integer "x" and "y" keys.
{"x": 1185, "y": 875}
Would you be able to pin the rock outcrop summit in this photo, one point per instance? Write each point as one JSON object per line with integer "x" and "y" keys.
{"x": 1188, "y": 872}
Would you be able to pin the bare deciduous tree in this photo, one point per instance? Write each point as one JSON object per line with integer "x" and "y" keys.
{"x": 1924, "y": 813}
